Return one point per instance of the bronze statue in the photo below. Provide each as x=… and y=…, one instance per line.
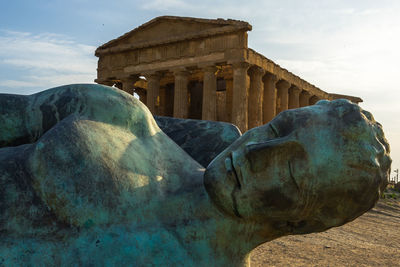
x=88, y=178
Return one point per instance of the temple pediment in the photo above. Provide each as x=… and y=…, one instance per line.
x=166, y=29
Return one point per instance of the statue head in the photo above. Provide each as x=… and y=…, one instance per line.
x=307, y=170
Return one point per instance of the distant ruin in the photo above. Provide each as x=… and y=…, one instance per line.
x=203, y=69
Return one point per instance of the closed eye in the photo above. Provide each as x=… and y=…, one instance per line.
x=257, y=153
x=274, y=130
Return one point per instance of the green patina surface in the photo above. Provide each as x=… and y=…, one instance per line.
x=88, y=178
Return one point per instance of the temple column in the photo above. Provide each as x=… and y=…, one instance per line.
x=153, y=92
x=240, y=95
x=294, y=97
x=128, y=84
x=181, y=94
x=229, y=95
x=118, y=84
x=269, y=102
x=167, y=99
x=283, y=94
x=209, y=107
x=142, y=95
x=304, y=98
x=314, y=99
x=162, y=96
x=256, y=93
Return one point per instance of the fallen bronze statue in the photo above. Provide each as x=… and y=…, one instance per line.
x=87, y=178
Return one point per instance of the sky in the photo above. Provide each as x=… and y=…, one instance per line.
x=341, y=46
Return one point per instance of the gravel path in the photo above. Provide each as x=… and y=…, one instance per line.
x=371, y=240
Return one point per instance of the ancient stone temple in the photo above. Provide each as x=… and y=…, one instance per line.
x=203, y=69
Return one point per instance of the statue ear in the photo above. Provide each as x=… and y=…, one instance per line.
x=284, y=149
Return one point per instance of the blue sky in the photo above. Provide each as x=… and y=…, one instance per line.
x=349, y=47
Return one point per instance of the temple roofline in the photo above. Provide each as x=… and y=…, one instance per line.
x=229, y=25
x=354, y=99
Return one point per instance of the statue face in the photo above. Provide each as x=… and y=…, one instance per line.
x=307, y=170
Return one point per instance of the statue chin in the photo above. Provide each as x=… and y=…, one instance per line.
x=219, y=185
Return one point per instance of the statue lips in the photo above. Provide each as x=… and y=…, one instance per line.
x=231, y=170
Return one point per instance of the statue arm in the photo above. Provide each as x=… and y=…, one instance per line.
x=202, y=140
x=13, y=131
x=24, y=119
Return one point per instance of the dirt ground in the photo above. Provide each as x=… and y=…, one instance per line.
x=371, y=240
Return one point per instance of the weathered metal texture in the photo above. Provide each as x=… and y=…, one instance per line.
x=307, y=170
x=202, y=140
x=87, y=178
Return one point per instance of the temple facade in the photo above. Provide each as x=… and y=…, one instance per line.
x=203, y=69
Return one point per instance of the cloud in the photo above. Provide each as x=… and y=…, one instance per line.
x=14, y=83
x=33, y=62
x=164, y=5
x=357, y=55
x=43, y=82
